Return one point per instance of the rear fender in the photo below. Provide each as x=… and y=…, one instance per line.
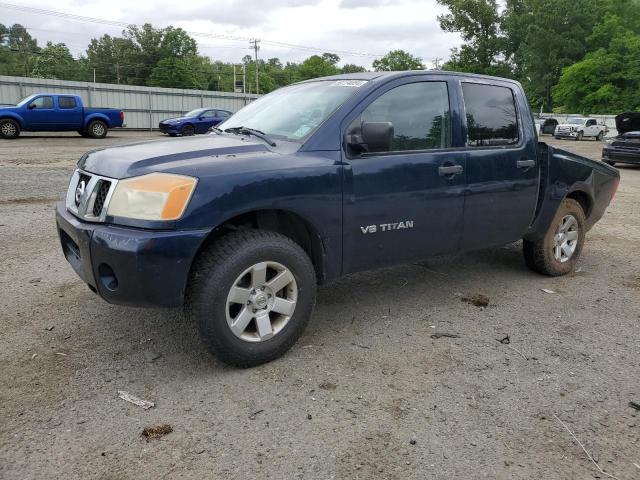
x=570, y=175
x=97, y=116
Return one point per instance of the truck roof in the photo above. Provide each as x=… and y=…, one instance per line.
x=389, y=75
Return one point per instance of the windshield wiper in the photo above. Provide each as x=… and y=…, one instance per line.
x=251, y=131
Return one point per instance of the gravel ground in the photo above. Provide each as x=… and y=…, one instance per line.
x=367, y=392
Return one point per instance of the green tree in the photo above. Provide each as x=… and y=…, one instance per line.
x=55, y=61
x=114, y=59
x=545, y=36
x=23, y=47
x=608, y=79
x=352, y=68
x=397, y=60
x=478, y=23
x=318, y=66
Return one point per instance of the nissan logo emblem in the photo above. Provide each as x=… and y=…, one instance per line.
x=80, y=191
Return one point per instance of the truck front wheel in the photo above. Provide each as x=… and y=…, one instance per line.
x=559, y=250
x=9, y=129
x=251, y=293
x=97, y=129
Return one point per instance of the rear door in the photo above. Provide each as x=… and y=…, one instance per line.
x=502, y=168
x=69, y=115
x=405, y=203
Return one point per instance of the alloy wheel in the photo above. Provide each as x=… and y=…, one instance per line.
x=565, y=240
x=261, y=301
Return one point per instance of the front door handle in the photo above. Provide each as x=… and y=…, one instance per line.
x=450, y=170
x=526, y=163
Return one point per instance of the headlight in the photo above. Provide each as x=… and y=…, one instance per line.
x=157, y=196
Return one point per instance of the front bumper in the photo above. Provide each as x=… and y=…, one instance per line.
x=169, y=128
x=621, y=156
x=129, y=266
x=565, y=134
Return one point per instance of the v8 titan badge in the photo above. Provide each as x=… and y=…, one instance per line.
x=387, y=227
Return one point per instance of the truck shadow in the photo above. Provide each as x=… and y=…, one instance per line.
x=363, y=297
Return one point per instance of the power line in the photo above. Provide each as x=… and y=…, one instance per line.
x=114, y=23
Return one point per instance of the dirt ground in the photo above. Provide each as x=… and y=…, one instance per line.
x=370, y=390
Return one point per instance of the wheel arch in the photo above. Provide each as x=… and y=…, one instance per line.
x=584, y=199
x=286, y=222
x=96, y=116
x=14, y=117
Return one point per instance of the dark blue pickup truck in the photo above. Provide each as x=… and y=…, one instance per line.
x=317, y=180
x=49, y=112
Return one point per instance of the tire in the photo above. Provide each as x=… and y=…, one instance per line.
x=188, y=130
x=9, y=129
x=600, y=136
x=579, y=136
x=97, y=129
x=229, y=263
x=541, y=255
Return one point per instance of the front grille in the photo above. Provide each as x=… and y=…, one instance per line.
x=88, y=195
x=101, y=196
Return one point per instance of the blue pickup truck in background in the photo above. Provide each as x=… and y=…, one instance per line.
x=48, y=112
x=321, y=179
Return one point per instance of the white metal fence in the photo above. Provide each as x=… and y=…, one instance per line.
x=144, y=107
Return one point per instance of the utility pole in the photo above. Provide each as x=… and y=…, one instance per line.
x=436, y=63
x=254, y=43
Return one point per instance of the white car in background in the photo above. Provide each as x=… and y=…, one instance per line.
x=579, y=128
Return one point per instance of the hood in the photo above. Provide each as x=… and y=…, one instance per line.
x=164, y=155
x=628, y=122
x=176, y=119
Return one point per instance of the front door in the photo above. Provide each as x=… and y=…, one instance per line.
x=206, y=120
x=502, y=166
x=40, y=113
x=405, y=203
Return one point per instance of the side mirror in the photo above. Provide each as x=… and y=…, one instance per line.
x=31, y=106
x=371, y=137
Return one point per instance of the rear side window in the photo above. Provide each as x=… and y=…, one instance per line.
x=42, y=102
x=419, y=113
x=223, y=114
x=491, y=115
x=66, y=102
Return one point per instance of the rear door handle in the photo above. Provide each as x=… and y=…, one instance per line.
x=450, y=170
x=526, y=163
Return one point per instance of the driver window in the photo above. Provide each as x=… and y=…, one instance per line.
x=209, y=114
x=42, y=103
x=419, y=113
x=591, y=123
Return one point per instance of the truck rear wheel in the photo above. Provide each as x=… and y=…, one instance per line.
x=251, y=293
x=559, y=250
x=9, y=129
x=97, y=129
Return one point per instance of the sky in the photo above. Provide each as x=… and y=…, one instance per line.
x=357, y=30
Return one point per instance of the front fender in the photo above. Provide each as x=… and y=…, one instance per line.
x=13, y=116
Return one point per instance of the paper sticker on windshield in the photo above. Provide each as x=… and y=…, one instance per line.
x=302, y=131
x=349, y=83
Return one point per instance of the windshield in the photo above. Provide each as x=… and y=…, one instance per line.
x=195, y=113
x=25, y=100
x=575, y=121
x=294, y=112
